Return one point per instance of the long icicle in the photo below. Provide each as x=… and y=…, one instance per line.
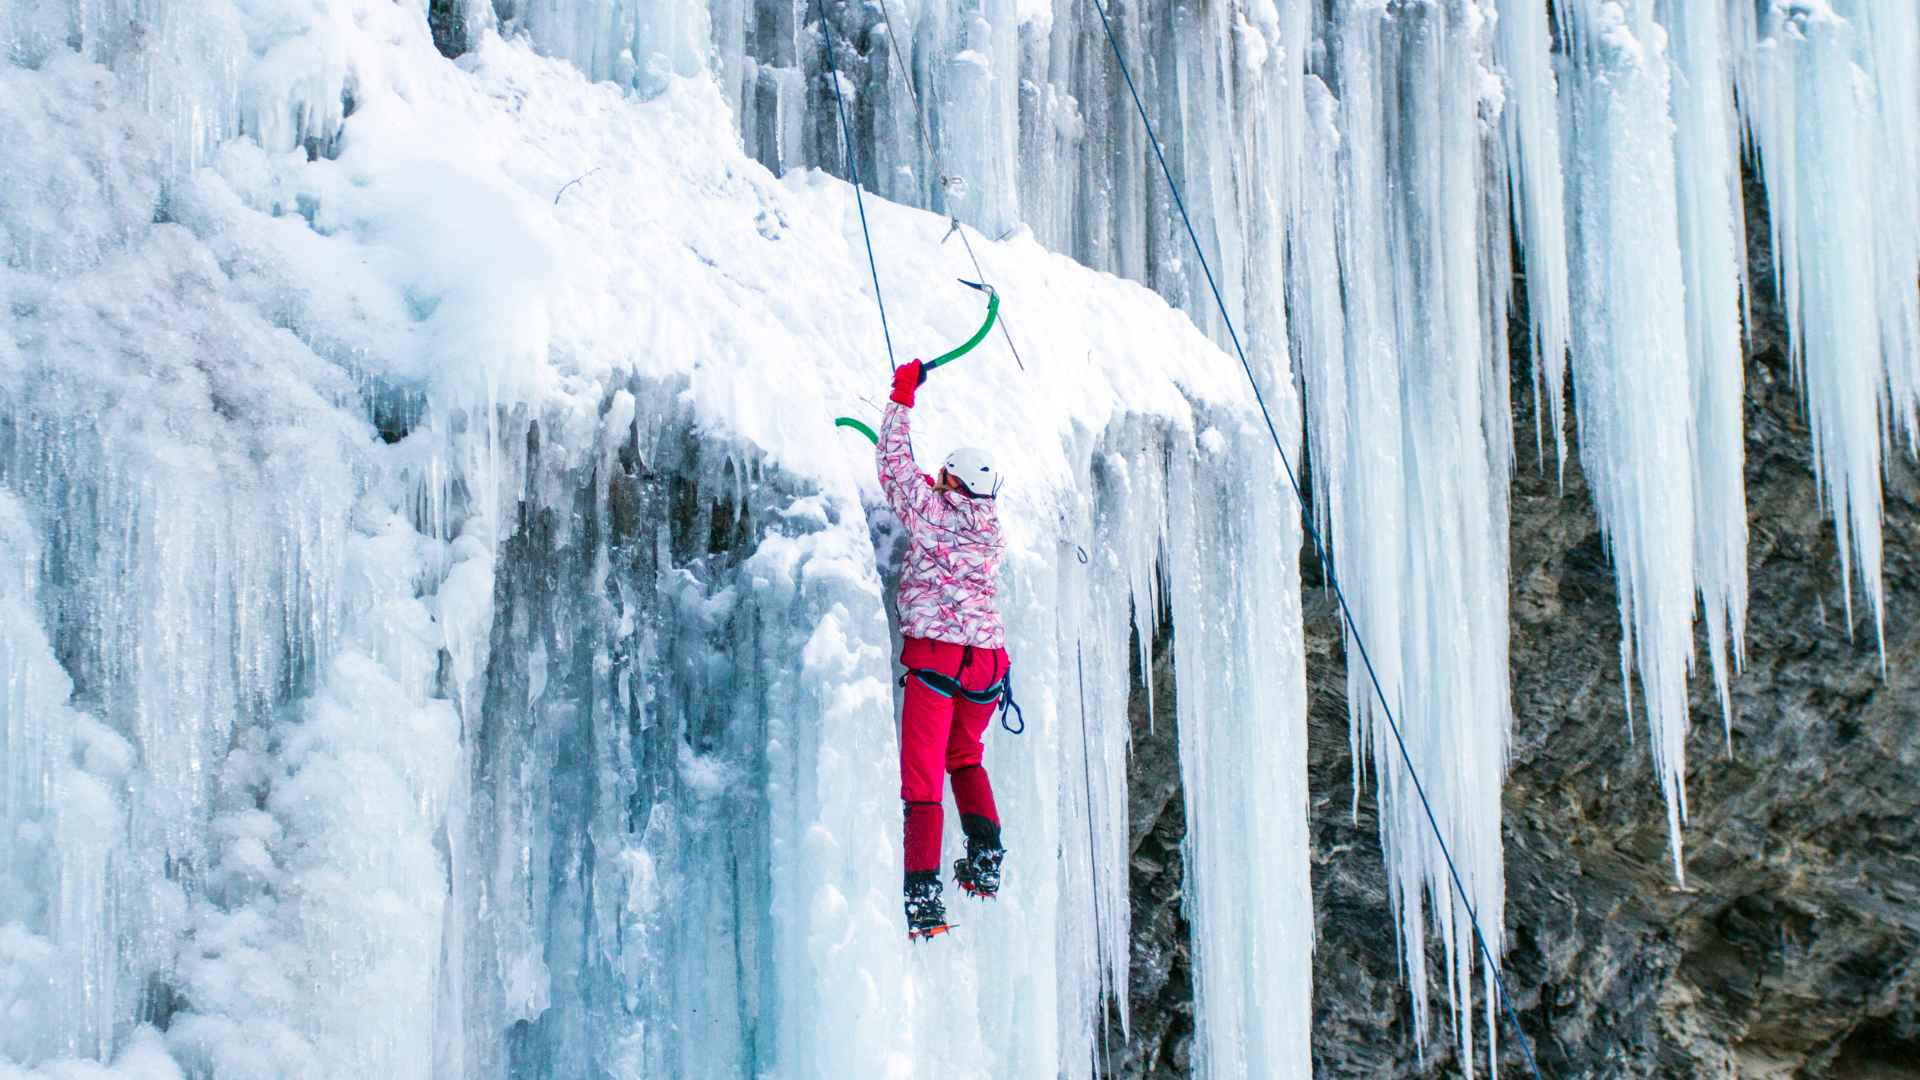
x=1320, y=548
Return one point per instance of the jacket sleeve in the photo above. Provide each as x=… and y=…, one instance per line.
x=906, y=489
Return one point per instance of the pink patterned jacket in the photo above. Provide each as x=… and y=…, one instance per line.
x=954, y=548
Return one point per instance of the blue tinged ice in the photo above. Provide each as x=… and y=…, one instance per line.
x=1530, y=129
x=1712, y=233
x=63, y=780
x=1400, y=316
x=457, y=627
x=1631, y=383
x=504, y=653
x=1831, y=98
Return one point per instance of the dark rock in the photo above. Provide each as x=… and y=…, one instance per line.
x=1159, y=965
x=1793, y=950
x=447, y=19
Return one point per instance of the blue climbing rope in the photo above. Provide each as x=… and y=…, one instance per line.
x=1320, y=548
x=853, y=168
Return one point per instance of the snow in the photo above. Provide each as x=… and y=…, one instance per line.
x=429, y=574
x=476, y=639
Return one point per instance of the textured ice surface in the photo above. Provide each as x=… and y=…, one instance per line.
x=1831, y=95
x=447, y=635
x=1631, y=385
x=430, y=573
x=1403, y=344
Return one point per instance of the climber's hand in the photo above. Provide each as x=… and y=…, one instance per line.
x=907, y=379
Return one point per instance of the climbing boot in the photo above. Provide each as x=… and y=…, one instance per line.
x=926, y=915
x=979, y=872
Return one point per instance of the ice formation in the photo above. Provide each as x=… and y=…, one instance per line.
x=447, y=632
x=1830, y=95
x=1410, y=432
x=444, y=635
x=1630, y=377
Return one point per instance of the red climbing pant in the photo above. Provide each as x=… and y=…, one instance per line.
x=940, y=734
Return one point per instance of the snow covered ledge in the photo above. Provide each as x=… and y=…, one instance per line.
x=558, y=740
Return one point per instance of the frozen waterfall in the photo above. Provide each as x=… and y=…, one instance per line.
x=447, y=632
x=445, y=636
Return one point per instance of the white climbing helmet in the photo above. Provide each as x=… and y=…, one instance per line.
x=974, y=469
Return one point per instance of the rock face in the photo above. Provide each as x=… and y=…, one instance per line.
x=1793, y=951
x=1159, y=1042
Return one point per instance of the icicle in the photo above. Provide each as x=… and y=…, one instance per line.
x=1832, y=99
x=1242, y=716
x=1712, y=227
x=1631, y=384
x=1407, y=405
x=62, y=827
x=1531, y=134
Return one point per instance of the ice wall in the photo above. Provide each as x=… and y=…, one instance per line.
x=447, y=635
x=426, y=434
x=1830, y=94
x=1411, y=451
x=1604, y=148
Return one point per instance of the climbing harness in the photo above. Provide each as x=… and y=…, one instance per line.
x=1320, y=549
x=948, y=687
x=948, y=357
x=853, y=167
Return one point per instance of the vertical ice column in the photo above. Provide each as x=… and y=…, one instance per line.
x=191, y=578
x=61, y=824
x=1398, y=293
x=1112, y=209
x=980, y=134
x=1024, y=105
x=182, y=63
x=1892, y=38
x=615, y=890
x=1832, y=100
x=847, y=1000
x=1530, y=128
x=1233, y=582
x=318, y=944
x=1712, y=232
x=1228, y=115
x=1631, y=383
x=638, y=46
x=938, y=118
x=1122, y=521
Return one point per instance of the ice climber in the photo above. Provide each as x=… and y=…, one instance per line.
x=955, y=653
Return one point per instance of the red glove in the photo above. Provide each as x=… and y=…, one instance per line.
x=907, y=379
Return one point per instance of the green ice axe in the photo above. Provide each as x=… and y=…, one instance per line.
x=850, y=422
x=965, y=347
